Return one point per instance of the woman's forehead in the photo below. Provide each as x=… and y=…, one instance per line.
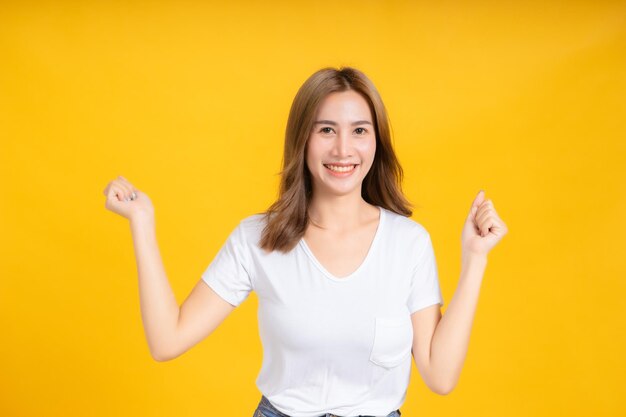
x=345, y=106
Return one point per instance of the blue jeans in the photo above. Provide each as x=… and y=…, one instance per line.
x=266, y=409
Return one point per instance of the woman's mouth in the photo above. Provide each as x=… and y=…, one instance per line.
x=340, y=170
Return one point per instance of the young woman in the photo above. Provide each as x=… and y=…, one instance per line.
x=347, y=283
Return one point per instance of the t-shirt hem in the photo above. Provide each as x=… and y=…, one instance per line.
x=425, y=304
x=340, y=413
x=351, y=412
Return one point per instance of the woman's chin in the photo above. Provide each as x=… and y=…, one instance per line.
x=333, y=189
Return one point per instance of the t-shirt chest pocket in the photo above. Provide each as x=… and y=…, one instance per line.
x=393, y=340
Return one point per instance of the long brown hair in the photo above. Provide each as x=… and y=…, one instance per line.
x=287, y=218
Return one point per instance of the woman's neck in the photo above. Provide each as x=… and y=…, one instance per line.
x=340, y=213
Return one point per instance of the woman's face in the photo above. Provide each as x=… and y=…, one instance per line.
x=342, y=144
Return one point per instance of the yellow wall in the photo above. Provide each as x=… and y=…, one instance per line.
x=189, y=100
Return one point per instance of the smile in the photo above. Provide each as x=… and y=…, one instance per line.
x=341, y=170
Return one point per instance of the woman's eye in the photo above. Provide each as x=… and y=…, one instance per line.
x=323, y=130
x=361, y=129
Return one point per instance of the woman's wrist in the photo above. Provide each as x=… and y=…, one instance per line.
x=472, y=259
x=141, y=221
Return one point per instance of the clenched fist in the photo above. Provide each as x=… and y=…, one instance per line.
x=127, y=201
x=483, y=227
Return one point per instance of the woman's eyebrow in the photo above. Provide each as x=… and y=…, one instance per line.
x=330, y=122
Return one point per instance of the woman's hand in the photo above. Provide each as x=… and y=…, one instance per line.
x=127, y=201
x=483, y=228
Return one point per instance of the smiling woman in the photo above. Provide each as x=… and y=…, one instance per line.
x=338, y=146
x=347, y=283
x=337, y=120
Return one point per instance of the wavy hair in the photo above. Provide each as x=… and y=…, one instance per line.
x=287, y=218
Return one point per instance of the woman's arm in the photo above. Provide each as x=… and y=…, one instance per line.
x=440, y=344
x=170, y=330
x=159, y=308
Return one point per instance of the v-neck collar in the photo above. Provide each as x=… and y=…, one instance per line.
x=321, y=267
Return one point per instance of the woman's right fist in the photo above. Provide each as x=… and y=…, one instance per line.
x=127, y=201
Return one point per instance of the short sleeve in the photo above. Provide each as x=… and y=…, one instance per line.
x=425, y=290
x=228, y=274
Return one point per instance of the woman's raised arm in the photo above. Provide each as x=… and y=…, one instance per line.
x=170, y=330
x=440, y=344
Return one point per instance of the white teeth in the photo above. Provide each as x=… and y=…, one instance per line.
x=340, y=169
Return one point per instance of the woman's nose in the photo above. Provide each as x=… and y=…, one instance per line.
x=342, y=144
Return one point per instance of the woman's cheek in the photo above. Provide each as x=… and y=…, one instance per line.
x=368, y=149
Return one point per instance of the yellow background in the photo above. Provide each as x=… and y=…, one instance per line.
x=189, y=101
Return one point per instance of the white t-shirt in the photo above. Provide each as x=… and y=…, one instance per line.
x=332, y=345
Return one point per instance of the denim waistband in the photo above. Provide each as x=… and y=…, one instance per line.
x=266, y=409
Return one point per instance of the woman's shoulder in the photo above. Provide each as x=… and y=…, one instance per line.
x=251, y=227
x=407, y=226
x=253, y=220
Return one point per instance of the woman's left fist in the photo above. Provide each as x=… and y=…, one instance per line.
x=483, y=228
